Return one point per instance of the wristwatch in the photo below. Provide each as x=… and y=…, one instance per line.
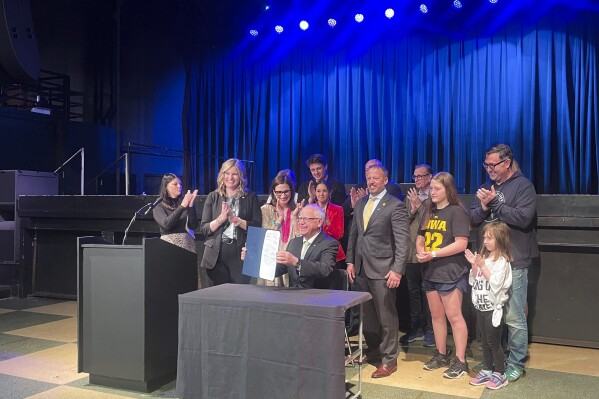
x=434, y=254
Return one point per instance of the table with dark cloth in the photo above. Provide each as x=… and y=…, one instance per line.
x=255, y=342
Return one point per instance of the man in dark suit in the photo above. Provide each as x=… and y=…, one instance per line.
x=311, y=256
x=318, y=165
x=378, y=248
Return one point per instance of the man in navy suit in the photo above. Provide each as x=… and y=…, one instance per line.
x=312, y=255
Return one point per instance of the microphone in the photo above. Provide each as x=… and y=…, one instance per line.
x=136, y=214
x=152, y=205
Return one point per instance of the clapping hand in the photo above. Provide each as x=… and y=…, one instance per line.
x=474, y=258
x=192, y=198
x=225, y=212
x=485, y=196
x=470, y=257
x=281, y=212
x=311, y=191
x=356, y=194
x=298, y=208
x=415, y=201
x=187, y=199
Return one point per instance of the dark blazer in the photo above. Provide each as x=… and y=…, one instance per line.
x=318, y=262
x=249, y=210
x=385, y=244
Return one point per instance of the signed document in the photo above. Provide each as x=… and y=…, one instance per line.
x=261, y=253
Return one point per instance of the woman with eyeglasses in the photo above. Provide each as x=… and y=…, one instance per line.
x=279, y=214
x=176, y=214
x=228, y=212
x=333, y=224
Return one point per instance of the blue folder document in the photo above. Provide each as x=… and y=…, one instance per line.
x=261, y=253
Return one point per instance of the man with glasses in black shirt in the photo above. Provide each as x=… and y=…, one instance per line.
x=511, y=198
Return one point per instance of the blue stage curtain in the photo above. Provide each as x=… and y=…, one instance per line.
x=408, y=101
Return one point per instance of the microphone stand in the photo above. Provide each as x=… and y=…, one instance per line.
x=133, y=220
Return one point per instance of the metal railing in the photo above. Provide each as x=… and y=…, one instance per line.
x=52, y=93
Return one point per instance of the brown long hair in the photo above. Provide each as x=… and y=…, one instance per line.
x=447, y=180
x=501, y=232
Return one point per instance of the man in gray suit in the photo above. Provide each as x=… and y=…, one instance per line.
x=312, y=255
x=378, y=248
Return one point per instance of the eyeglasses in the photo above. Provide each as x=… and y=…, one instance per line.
x=491, y=166
x=418, y=177
x=301, y=219
x=281, y=193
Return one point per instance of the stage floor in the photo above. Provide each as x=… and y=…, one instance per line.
x=38, y=359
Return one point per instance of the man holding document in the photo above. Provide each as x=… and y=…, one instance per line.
x=310, y=256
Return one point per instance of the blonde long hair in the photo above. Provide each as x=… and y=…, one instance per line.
x=243, y=181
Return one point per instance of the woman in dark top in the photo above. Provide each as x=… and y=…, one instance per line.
x=176, y=216
x=228, y=212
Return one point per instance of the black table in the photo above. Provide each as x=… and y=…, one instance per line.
x=244, y=341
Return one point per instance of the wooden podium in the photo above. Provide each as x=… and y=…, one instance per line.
x=128, y=310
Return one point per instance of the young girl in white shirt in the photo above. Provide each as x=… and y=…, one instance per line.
x=491, y=278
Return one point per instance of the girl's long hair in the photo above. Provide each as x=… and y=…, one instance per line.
x=501, y=232
x=446, y=179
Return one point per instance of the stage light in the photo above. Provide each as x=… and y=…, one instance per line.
x=304, y=25
x=359, y=18
x=267, y=8
x=332, y=22
x=423, y=8
x=492, y=1
x=254, y=32
x=389, y=13
x=457, y=4
x=279, y=29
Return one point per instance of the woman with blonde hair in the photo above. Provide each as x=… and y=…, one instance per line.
x=442, y=239
x=228, y=212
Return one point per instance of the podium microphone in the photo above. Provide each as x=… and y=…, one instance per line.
x=152, y=205
x=136, y=214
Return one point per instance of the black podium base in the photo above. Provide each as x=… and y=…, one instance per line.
x=132, y=385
